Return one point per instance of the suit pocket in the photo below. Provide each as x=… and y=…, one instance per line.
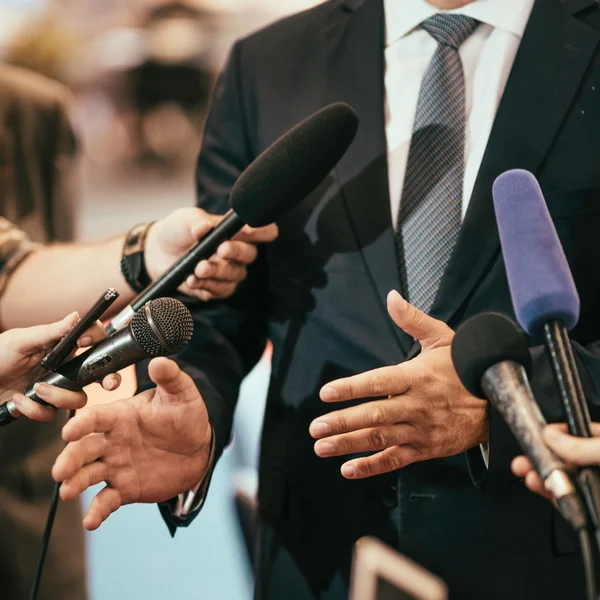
x=573, y=203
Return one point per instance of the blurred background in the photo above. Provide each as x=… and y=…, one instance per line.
x=142, y=72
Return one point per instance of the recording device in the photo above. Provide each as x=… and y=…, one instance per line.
x=381, y=573
x=160, y=328
x=278, y=179
x=545, y=298
x=493, y=362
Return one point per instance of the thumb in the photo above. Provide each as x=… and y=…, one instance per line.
x=33, y=339
x=201, y=223
x=173, y=385
x=430, y=332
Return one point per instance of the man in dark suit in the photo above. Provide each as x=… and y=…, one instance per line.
x=525, y=96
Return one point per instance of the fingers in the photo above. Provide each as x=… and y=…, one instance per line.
x=59, y=397
x=387, y=461
x=56, y=397
x=33, y=410
x=78, y=454
x=366, y=440
x=387, y=381
x=93, y=335
x=102, y=506
x=95, y=419
x=83, y=479
x=575, y=450
x=220, y=270
x=521, y=466
x=259, y=235
x=33, y=339
x=171, y=381
x=111, y=382
x=427, y=330
x=378, y=413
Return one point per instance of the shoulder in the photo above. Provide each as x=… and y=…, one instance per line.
x=287, y=34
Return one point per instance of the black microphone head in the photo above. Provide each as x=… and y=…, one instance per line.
x=162, y=326
x=486, y=340
x=294, y=165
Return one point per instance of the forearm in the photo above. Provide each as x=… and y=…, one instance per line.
x=58, y=279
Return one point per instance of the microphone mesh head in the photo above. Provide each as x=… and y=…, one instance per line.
x=162, y=326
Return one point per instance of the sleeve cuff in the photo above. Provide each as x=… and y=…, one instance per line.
x=184, y=507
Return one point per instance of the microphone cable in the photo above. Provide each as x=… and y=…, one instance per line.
x=37, y=579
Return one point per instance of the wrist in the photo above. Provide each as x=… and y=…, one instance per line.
x=152, y=252
x=133, y=263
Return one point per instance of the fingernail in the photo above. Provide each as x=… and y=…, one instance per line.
x=42, y=389
x=85, y=341
x=348, y=471
x=111, y=384
x=329, y=393
x=320, y=428
x=223, y=250
x=324, y=448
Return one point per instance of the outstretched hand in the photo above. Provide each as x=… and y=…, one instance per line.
x=425, y=412
x=146, y=449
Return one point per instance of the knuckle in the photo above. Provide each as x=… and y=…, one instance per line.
x=377, y=415
x=392, y=462
x=378, y=385
x=377, y=440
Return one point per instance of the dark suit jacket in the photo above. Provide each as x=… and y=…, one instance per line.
x=319, y=293
x=37, y=152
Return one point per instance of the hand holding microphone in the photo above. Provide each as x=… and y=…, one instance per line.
x=281, y=177
x=545, y=299
x=21, y=351
x=160, y=328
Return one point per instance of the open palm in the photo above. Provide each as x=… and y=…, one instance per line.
x=147, y=449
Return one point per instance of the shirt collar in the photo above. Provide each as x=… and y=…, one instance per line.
x=402, y=16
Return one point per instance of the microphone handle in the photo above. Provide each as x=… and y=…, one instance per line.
x=507, y=387
x=170, y=280
x=566, y=376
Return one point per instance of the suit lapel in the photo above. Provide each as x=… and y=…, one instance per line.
x=553, y=57
x=354, y=62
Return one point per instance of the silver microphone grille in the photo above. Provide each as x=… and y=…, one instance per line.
x=162, y=326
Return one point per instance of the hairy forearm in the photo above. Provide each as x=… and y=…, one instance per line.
x=58, y=279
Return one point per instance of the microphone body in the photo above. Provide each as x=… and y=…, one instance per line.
x=162, y=327
x=278, y=179
x=506, y=386
x=545, y=299
x=492, y=360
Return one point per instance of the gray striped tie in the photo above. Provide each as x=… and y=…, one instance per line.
x=430, y=212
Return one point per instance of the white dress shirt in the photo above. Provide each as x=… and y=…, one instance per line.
x=487, y=57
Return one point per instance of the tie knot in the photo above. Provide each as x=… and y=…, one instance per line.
x=450, y=29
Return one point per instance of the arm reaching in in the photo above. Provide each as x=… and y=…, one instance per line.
x=147, y=449
x=84, y=270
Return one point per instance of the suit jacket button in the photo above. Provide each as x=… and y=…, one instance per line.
x=389, y=496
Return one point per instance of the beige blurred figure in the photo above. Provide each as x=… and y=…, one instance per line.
x=37, y=192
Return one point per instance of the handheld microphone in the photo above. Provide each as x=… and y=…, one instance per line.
x=493, y=362
x=278, y=179
x=161, y=328
x=545, y=298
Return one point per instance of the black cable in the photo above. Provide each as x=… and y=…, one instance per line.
x=47, y=533
x=587, y=556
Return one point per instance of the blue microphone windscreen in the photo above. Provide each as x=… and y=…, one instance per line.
x=541, y=283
